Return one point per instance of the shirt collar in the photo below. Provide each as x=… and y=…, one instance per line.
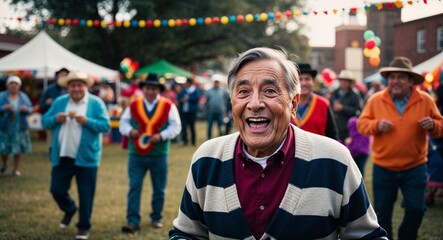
x=154, y=102
x=282, y=152
x=405, y=98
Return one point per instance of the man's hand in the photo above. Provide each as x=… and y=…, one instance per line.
x=8, y=107
x=23, y=108
x=134, y=133
x=384, y=125
x=61, y=117
x=426, y=123
x=81, y=119
x=156, y=138
x=338, y=107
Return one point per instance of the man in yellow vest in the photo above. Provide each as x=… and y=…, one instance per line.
x=150, y=122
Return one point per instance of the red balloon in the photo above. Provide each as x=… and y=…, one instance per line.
x=185, y=22
x=240, y=18
x=215, y=20
x=75, y=22
x=96, y=23
x=370, y=44
x=149, y=23
x=328, y=76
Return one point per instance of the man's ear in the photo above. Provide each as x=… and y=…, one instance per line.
x=295, y=101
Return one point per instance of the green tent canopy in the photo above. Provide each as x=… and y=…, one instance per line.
x=164, y=68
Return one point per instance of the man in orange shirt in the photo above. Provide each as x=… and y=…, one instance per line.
x=400, y=117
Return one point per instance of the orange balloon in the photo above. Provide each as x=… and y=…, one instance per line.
x=374, y=60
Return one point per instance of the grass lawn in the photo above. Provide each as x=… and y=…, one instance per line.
x=27, y=210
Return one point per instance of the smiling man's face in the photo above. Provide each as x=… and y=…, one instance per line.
x=261, y=106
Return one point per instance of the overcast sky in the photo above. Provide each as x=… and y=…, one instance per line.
x=320, y=28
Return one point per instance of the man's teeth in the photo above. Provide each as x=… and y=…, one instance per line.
x=257, y=119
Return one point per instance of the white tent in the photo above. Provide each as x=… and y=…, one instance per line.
x=426, y=66
x=45, y=56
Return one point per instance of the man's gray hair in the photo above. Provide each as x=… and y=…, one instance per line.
x=291, y=76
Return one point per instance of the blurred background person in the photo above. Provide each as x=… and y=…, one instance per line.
x=214, y=108
x=52, y=92
x=345, y=103
x=188, y=99
x=15, y=107
x=106, y=93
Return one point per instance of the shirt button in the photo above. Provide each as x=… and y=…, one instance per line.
x=262, y=207
x=262, y=175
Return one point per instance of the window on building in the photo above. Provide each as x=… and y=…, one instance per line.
x=421, y=41
x=440, y=38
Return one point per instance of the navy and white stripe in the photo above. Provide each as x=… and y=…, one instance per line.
x=325, y=197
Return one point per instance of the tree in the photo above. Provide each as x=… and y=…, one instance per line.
x=184, y=46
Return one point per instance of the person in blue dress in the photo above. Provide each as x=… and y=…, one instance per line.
x=15, y=106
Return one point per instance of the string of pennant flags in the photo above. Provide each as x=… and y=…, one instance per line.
x=196, y=21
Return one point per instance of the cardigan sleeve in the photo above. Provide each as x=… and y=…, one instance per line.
x=98, y=119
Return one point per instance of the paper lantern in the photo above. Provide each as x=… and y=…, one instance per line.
x=157, y=23
x=68, y=22
x=75, y=22
x=118, y=24
x=103, y=24
x=368, y=34
x=263, y=17
x=208, y=21
x=89, y=23
x=200, y=21
x=149, y=23
x=171, y=23
x=164, y=22
x=249, y=18
x=126, y=24
x=278, y=15
x=215, y=20
x=96, y=23
x=185, y=22
x=142, y=23
x=271, y=15
x=232, y=18
x=178, y=22
x=192, y=22
x=297, y=13
x=224, y=20
x=240, y=18
x=61, y=22
x=288, y=14
x=82, y=22
x=374, y=60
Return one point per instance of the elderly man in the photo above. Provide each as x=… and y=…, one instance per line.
x=400, y=117
x=272, y=180
x=150, y=122
x=78, y=120
x=214, y=105
x=313, y=112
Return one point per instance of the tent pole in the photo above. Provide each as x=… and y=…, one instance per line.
x=45, y=79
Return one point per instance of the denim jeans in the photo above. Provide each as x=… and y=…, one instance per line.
x=412, y=184
x=86, y=178
x=218, y=117
x=138, y=166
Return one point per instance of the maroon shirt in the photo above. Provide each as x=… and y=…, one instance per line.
x=261, y=190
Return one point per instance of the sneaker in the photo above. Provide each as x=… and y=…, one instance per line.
x=82, y=234
x=64, y=223
x=16, y=173
x=157, y=224
x=3, y=170
x=130, y=228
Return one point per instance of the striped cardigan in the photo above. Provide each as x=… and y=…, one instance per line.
x=325, y=198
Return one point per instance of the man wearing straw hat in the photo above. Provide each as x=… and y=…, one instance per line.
x=78, y=120
x=400, y=118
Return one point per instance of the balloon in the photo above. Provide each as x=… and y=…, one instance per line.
x=374, y=60
x=68, y=22
x=89, y=23
x=185, y=22
x=368, y=34
x=215, y=20
x=271, y=15
x=200, y=21
x=232, y=18
x=278, y=15
x=288, y=14
x=82, y=22
x=178, y=22
x=75, y=22
x=328, y=76
x=103, y=24
x=297, y=13
x=118, y=24
x=96, y=23
x=61, y=22
x=142, y=23
x=377, y=41
x=164, y=22
x=367, y=52
x=370, y=43
x=126, y=24
x=375, y=51
x=224, y=20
